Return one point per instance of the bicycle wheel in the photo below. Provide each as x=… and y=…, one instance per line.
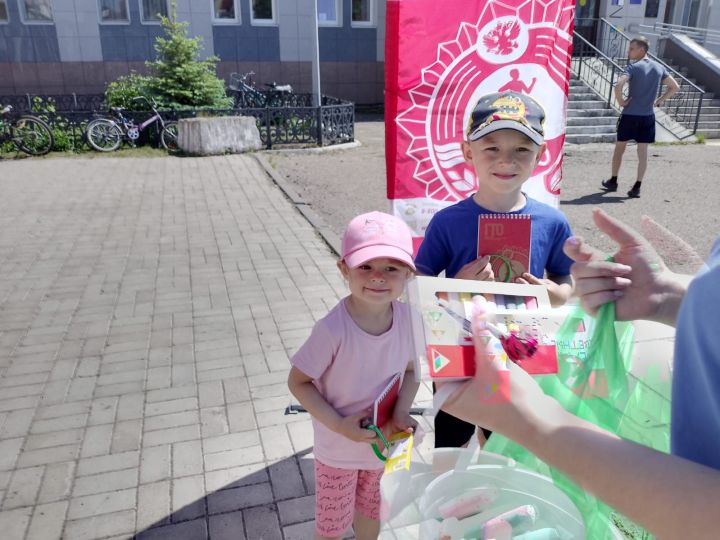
x=169, y=136
x=32, y=135
x=104, y=135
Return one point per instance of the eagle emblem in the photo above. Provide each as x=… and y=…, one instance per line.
x=502, y=39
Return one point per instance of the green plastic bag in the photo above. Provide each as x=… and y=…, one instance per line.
x=594, y=383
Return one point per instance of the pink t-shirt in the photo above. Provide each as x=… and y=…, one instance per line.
x=351, y=368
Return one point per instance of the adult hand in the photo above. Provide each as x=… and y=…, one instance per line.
x=352, y=428
x=659, y=101
x=637, y=281
x=501, y=396
x=478, y=270
x=624, y=102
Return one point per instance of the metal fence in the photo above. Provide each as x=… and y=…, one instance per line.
x=302, y=124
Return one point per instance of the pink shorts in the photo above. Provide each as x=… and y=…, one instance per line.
x=339, y=493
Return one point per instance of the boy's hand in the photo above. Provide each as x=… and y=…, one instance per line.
x=557, y=293
x=478, y=270
x=352, y=428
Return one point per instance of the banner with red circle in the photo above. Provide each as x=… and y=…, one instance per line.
x=440, y=58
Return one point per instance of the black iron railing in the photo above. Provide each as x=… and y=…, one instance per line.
x=685, y=106
x=593, y=67
x=300, y=124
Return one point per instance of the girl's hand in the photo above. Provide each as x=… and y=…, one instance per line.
x=478, y=270
x=352, y=428
x=401, y=422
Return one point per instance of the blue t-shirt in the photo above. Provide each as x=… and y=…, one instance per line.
x=645, y=76
x=695, y=425
x=451, y=239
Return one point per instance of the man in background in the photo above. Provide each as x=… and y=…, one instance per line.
x=637, y=120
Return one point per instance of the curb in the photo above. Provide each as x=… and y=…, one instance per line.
x=315, y=149
x=327, y=234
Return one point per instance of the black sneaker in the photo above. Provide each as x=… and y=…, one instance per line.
x=634, y=193
x=609, y=185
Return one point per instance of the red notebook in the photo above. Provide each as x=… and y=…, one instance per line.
x=506, y=238
x=385, y=402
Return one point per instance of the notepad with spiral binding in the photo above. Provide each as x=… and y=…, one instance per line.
x=385, y=402
x=506, y=238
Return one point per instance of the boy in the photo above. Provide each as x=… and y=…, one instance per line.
x=504, y=142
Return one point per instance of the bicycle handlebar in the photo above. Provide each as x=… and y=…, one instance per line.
x=150, y=102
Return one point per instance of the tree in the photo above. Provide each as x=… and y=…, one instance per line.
x=179, y=80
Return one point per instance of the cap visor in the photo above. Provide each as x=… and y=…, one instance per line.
x=497, y=125
x=363, y=255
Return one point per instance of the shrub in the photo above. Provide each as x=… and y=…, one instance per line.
x=120, y=93
x=64, y=136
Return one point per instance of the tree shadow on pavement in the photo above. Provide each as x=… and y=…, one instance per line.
x=595, y=199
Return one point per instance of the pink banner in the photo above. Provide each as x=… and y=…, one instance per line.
x=441, y=56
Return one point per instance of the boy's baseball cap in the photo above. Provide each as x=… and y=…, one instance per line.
x=507, y=110
x=375, y=235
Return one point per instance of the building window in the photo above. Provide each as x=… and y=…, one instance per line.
x=114, y=11
x=225, y=11
x=151, y=10
x=362, y=12
x=4, y=17
x=328, y=13
x=36, y=11
x=262, y=11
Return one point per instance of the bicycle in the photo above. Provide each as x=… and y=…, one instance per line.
x=107, y=134
x=247, y=96
x=28, y=133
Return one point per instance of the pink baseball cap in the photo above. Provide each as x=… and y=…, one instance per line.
x=375, y=235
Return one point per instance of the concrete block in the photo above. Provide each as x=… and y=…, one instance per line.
x=220, y=135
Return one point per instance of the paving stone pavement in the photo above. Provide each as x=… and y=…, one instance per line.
x=148, y=307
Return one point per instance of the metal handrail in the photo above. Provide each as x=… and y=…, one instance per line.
x=676, y=74
x=692, y=31
x=685, y=106
x=597, y=74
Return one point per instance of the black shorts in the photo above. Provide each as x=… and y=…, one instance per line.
x=636, y=128
x=451, y=432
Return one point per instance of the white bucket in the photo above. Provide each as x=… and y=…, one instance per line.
x=415, y=503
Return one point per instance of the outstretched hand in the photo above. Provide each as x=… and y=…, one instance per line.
x=637, y=281
x=501, y=396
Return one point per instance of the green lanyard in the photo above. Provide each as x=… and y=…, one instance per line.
x=378, y=453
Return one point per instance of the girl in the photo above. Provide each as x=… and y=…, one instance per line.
x=344, y=366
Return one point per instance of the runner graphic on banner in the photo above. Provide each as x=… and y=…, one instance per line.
x=440, y=58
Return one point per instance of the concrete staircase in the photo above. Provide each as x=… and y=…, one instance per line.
x=709, y=123
x=589, y=119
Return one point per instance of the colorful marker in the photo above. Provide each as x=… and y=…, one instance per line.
x=468, y=503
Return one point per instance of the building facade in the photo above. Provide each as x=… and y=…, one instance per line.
x=637, y=17
x=66, y=46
